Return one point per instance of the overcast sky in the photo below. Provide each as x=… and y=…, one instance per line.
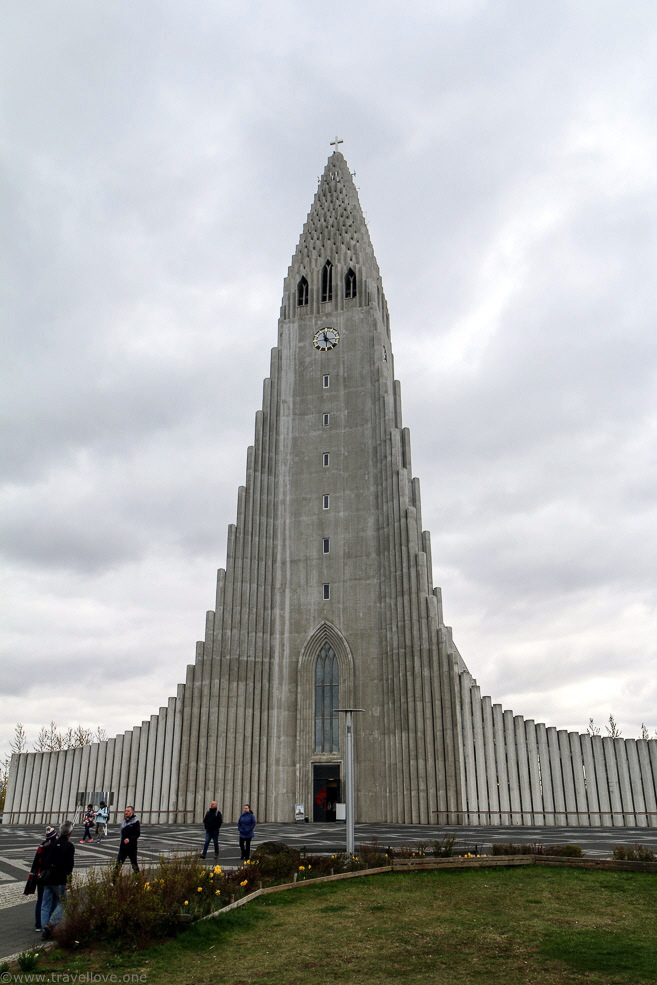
x=160, y=159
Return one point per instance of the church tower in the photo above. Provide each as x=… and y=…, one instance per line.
x=327, y=597
x=327, y=602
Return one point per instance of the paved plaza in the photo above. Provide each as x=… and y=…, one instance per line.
x=18, y=844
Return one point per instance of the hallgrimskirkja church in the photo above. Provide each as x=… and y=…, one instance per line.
x=327, y=601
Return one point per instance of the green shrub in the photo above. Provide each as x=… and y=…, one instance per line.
x=444, y=848
x=27, y=960
x=633, y=853
x=372, y=855
x=504, y=848
x=561, y=851
x=273, y=866
x=135, y=908
x=564, y=851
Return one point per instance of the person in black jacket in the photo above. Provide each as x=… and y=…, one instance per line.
x=33, y=881
x=128, y=835
x=212, y=822
x=56, y=866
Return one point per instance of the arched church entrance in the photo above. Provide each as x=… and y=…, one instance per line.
x=326, y=791
x=326, y=679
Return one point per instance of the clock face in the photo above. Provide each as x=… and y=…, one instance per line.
x=326, y=338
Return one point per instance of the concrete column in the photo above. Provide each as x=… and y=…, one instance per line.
x=149, y=807
x=512, y=766
x=523, y=769
x=500, y=765
x=647, y=779
x=166, y=805
x=115, y=782
x=23, y=781
x=538, y=817
x=99, y=776
x=91, y=767
x=557, y=777
x=489, y=753
x=483, y=806
x=159, y=731
x=108, y=770
x=591, y=783
x=624, y=784
x=29, y=787
x=617, y=818
x=125, y=794
x=635, y=783
x=204, y=715
x=567, y=774
x=141, y=778
x=63, y=784
x=602, y=781
x=15, y=769
x=577, y=761
x=174, y=799
x=38, y=787
x=468, y=751
x=78, y=786
x=547, y=793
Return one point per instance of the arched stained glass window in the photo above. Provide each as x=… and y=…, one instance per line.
x=327, y=281
x=326, y=700
x=302, y=293
x=350, y=284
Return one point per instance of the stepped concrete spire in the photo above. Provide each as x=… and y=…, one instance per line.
x=335, y=229
x=327, y=601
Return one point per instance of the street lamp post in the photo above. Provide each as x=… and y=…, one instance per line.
x=349, y=774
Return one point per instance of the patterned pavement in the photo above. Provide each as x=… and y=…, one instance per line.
x=18, y=844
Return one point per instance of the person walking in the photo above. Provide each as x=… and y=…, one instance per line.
x=56, y=867
x=128, y=835
x=102, y=817
x=33, y=883
x=246, y=827
x=88, y=820
x=212, y=822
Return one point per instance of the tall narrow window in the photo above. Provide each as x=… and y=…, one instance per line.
x=326, y=700
x=327, y=281
x=350, y=284
x=325, y=382
x=326, y=592
x=325, y=420
x=326, y=545
x=302, y=293
x=325, y=501
x=326, y=458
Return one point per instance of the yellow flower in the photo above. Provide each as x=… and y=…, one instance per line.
x=186, y=903
x=217, y=870
x=217, y=892
x=245, y=883
x=302, y=868
x=147, y=885
x=200, y=889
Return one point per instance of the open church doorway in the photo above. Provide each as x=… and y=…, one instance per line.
x=326, y=790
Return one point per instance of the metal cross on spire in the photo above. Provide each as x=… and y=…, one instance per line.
x=334, y=143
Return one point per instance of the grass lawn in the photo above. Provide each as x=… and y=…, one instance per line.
x=529, y=925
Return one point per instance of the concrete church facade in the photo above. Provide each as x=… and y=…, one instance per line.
x=327, y=601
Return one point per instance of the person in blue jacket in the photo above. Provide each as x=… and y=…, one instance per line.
x=246, y=827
